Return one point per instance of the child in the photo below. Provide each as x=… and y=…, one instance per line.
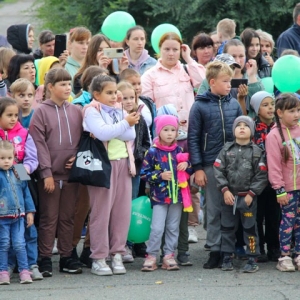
x=241, y=175
x=282, y=146
x=210, y=127
x=23, y=92
x=268, y=210
x=16, y=202
x=225, y=32
x=110, y=208
x=160, y=170
x=56, y=129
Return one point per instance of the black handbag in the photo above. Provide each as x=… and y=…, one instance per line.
x=91, y=165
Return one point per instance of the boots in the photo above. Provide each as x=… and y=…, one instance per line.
x=213, y=261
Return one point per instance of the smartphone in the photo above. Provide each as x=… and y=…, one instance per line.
x=113, y=52
x=60, y=44
x=139, y=110
x=21, y=172
x=235, y=83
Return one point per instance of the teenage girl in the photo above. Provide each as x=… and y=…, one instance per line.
x=283, y=153
x=110, y=208
x=56, y=128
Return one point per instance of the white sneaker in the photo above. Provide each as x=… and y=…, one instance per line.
x=285, y=264
x=54, y=249
x=35, y=273
x=117, y=265
x=99, y=267
x=193, y=237
x=127, y=258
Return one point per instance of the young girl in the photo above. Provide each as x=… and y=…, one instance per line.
x=56, y=129
x=16, y=202
x=283, y=152
x=110, y=208
x=160, y=170
x=23, y=92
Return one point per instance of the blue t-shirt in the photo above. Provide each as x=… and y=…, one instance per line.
x=25, y=121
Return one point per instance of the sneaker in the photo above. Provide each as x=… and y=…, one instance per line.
x=100, y=268
x=149, y=264
x=35, y=273
x=251, y=266
x=285, y=264
x=193, y=237
x=70, y=265
x=274, y=254
x=25, y=277
x=183, y=259
x=240, y=253
x=227, y=263
x=117, y=265
x=206, y=247
x=4, y=278
x=297, y=262
x=263, y=257
x=213, y=261
x=127, y=258
x=85, y=257
x=169, y=263
x=45, y=267
x=140, y=250
x=54, y=249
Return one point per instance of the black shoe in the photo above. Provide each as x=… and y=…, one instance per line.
x=213, y=261
x=227, y=263
x=251, y=266
x=140, y=250
x=69, y=265
x=263, y=257
x=274, y=254
x=85, y=257
x=45, y=266
x=183, y=259
x=206, y=247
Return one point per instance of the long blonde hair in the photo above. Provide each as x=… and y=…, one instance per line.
x=124, y=85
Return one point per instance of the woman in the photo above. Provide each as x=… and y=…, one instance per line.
x=95, y=57
x=46, y=41
x=251, y=40
x=138, y=57
x=266, y=45
x=203, y=48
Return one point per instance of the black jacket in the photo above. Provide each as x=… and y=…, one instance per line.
x=17, y=36
x=210, y=127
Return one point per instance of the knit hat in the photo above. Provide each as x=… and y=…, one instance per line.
x=165, y=120
x=246, y=120
x=257, y=99
x=227, y=59
x=167, y=109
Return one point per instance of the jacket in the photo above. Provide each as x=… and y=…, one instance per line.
x=157, y=160
x=84, y=99
x=264, y=68
x=15, y=198
x=281, y=174
x=56, y=131
x=241, y=169
x=289, y=39
x=17, y=36
x=210, y=127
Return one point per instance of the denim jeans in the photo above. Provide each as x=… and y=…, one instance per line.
x=12, y=232
x=31, y=247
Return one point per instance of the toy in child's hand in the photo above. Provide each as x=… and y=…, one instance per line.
x=183, y=177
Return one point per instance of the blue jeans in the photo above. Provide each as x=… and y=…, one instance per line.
x=31, y=247
x=12, y=232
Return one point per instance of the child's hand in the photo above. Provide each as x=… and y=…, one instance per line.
x=29, y=218
x=182, y=166
x=70, y=162
x=49, y=185
x=133, y=118
x=167, y=175
x=200, y=178
x=228, y=198
x=283, y=200
x=248, y=200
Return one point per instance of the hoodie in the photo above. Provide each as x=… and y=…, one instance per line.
x=56, y=130
x=44, y=66
x=84, y=99
x=17, y=36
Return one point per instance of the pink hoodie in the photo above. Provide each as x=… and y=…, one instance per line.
x=283, y=174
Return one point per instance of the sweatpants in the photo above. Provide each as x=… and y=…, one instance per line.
x=214, y=199
x=110, y=212
x=57, y=215
x=229, y=223
x=290, y=222
x=165, y=218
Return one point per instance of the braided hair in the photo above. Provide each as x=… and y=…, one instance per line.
x=283, y=102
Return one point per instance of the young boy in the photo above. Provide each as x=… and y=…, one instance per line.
x=210, y=127
x=23, y=92
x=268, y=209
x=241, y=174
x=226, y=32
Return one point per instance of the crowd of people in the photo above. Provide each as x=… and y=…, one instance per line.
x=175, y=128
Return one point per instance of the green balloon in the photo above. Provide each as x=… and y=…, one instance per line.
x=116, y=25
x=268, y=84
x=159, y=31
x=141, y=216
x=286, y=72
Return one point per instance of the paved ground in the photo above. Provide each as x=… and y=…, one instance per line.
x=187, y=283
